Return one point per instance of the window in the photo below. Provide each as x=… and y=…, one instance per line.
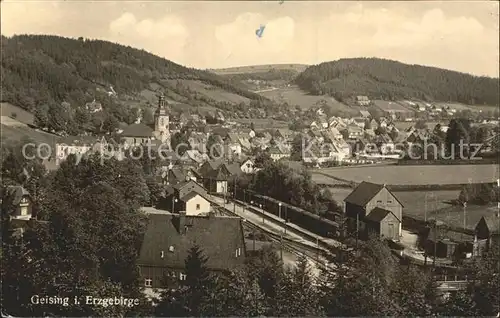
x=182, y=276
x=171, y=248
x=162, y=254
x=390, y=201
x=148, y=282
x=197, y=207
x=379, y=201
x=24, y=210
x=238, y=252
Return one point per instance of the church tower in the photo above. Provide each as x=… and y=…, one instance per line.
x=162, y=118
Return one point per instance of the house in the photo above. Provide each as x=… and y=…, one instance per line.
x=187, y=196
x=362, y=100
x=77, y=145
x=354, y=132
x=373, y=124
x=22, y=201
x=368, y=198
x=278, y=153
x=216, y=174
x=486, y=234
x=247, y=165
x=385, y=144
x=364, y=113
x=178, y=175
x=316, y=134
x=93, y=107
x=169, y=237
x=359, y=121
x=232, y=143
x=335, y=133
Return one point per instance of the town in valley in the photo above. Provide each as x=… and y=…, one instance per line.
x=142, y=180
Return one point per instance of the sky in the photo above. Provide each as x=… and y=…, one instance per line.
x=456, y=35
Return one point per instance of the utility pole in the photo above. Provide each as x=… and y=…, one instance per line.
x=281, y=246
x=253, y=235
x=435, y=244
x=357, y=231
x=465, y=218
x=286, y=218
x=317, y=248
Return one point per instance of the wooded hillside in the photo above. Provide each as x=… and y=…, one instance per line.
x=386, y=79
x=40, y=72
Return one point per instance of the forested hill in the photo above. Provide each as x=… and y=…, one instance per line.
x=386, y=79
x=49, y=70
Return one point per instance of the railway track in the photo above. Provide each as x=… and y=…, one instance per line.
x=297, y=248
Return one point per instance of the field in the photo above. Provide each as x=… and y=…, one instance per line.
x=17, y=133
x=294, y=96
x=258, y=69
x=391, y=106
x=20, y=114
x=417, y=175
x=212, y=91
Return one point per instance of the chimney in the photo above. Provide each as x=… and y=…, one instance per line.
x=182, y=222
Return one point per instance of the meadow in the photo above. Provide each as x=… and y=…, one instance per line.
x=416, y=175
x=258, y=69
x=392, y=106
x=294, y=96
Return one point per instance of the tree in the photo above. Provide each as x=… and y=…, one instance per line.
x=458, y=133
x=263, y=159
x=42, y=115
x=147, y=116
x=214, y=148
x=416, y=292
x=180, y=143
x=296, y=152
x=191, y=298
x=297, y=296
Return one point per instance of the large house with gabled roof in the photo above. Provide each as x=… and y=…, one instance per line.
x=169, y=237
x=372, y=209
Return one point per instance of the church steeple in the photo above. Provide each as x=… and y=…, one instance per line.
x=161, y=116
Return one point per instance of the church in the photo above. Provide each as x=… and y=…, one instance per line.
x=139, y=133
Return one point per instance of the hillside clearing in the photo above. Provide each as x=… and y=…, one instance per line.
x=258, y=68
x=294, y=96
x=211, y=91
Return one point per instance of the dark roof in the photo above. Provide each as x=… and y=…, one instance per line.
x=186, y=187
x=137, y=130
x=363, y=193
x=217, y=236
x=18, y=192
x=377, y=214
x=178, y=174
x=188, y=196
x=493, y=223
